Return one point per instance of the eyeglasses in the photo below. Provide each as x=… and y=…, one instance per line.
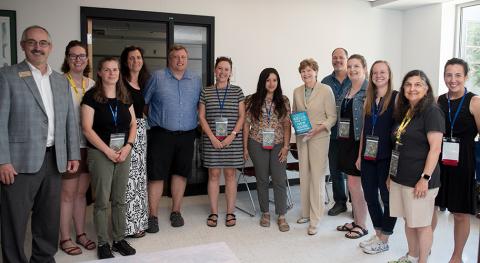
x=33, y=43
x=74, y=57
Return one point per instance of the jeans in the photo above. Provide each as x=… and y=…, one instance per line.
x=338, y=179
x=374, y=177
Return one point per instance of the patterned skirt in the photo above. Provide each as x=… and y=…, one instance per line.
x=136, y=197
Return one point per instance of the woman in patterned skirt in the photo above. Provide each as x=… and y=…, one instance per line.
x=135, y=76
x=221, y=115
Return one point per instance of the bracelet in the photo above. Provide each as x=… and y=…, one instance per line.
x=234, y=133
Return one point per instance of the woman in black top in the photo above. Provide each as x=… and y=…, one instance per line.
x=457, y=171
x=414, y=172
x=374, y=154
x=135, y=75
x=108, y=123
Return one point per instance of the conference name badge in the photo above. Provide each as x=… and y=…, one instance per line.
x=371, y=148
x=344, y=128
x=268, y=138
x=221, y=128
x=450, y=151
x=117, y=140
x=24, y=74
x=392, y=171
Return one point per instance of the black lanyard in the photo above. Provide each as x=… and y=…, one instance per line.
x=222, y=103
x=452, y=122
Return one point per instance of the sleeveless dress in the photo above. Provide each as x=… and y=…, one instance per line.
x=457, y=190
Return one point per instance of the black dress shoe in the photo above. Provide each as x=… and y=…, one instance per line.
x=337, y=209
x=104, y=251
x=123, y=247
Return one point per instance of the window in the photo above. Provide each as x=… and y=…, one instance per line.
x=469, y=41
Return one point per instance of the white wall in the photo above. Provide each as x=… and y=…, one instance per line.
x=256, y=34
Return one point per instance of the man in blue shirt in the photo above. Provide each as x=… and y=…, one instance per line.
x=337, y=81
x=172, y=95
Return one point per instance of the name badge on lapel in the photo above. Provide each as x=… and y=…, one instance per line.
x=117, y=140
x=450, y=151
x=371, y=148
x=268, y=138
x=344, y=128
x=24, y=74
x=221, y=128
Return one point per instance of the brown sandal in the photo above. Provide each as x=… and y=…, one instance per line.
x=72, y=251
x=232, y=221
x=282, y=224
x=212, y=220
x=265, y=220
x=88, y=245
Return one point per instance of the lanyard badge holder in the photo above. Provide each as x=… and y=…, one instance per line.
x=117, y=140
x=268, y=134
x=371, y=141
x=221, y=124
x=344, y=123
x=451, y=145
x=392, y=171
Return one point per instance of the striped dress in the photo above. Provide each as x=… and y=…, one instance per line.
x=232, y=156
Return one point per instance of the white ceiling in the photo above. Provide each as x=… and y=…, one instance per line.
x=403, y=4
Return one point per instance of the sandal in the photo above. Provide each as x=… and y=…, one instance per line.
x=265, y=220
x=282, y=224
x=88, y=244
x=212, y=220
x=232, y=221
x=72, y=251
x=355, y=234
x=345, y=228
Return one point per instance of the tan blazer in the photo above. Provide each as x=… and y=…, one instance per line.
x=320, y=107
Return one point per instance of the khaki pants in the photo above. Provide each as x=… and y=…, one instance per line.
x=313, y=158
x=109, y=182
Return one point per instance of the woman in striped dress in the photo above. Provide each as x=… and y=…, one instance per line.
x=221, y=114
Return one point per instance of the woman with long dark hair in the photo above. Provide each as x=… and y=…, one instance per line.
x=74, y=186
x=108, y=123
x=135, y=76
x=266, y=139
x=414, y=173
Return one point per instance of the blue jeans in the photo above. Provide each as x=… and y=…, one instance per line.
x=374, y=177
x=338, y=179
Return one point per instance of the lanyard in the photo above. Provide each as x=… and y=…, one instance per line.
x=269, y=112
x=114, y=113
x=74, y=86
x=347, y=100
x=403, y=126
x=222, y=103
x=452, y=122
x=375, y=111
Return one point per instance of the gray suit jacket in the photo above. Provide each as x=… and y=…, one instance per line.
x=24, y=122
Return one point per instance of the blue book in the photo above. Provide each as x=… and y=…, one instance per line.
x=300, y=122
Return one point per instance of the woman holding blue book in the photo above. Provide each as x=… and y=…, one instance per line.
x=318, y=102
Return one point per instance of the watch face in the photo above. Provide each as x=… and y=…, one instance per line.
x=426, y=177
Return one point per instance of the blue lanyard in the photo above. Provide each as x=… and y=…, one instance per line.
x=222, y=103
x=375, y=111
x=452, y=122
x=114, y=113
x=269, y=112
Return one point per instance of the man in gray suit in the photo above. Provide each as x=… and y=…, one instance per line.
x=38, y=142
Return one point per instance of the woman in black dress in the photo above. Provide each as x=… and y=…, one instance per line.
x=462, y=123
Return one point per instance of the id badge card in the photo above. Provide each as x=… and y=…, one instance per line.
x=392, y=171
x=268, y=138
x=344, y=128
x=117, y=140
x=450, y=151
x=371, y=148
x=221, y=128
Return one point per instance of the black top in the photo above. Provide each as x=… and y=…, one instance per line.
x=103, y=122
x=415, y=147
x=383, y=129
x=137, y=99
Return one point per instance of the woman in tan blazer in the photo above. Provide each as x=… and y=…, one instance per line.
x=318, y=101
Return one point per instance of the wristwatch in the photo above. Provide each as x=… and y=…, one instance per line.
x=426, y=177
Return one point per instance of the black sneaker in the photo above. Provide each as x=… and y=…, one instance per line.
x=152, y=225
x=104, y=251
x=124, y=248
x=337, y=209
x=176, y=219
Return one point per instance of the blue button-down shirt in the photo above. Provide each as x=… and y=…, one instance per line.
x=173, y=103
x=337, y=89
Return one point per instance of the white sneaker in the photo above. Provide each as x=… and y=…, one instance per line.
x=367, y=242
x=376, y=247
x=405, y=259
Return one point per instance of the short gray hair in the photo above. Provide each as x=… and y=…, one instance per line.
x=24, y=34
